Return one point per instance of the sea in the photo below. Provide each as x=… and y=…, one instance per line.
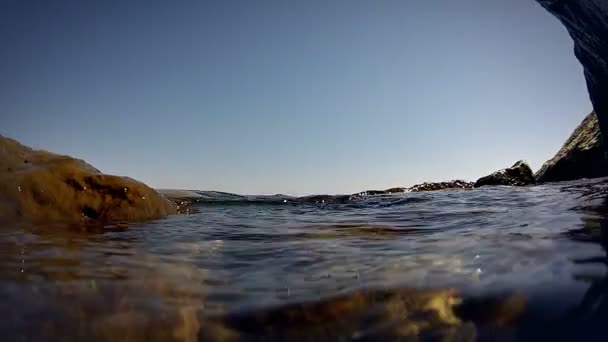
x=489, y=264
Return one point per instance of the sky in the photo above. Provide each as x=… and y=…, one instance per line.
x=292, y=97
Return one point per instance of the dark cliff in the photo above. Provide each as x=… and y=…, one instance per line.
x=587, y=23
x=581, y=156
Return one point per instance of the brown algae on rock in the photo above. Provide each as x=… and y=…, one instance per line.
x=43, y=187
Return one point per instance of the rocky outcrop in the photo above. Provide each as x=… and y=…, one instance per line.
x=43, y=187
x=395, y=190
x=582, y=156
x=519, y=174
x=438, y=186
x=427, y=186
x=587, y=23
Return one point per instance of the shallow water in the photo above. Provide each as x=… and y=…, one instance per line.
x=524, y=263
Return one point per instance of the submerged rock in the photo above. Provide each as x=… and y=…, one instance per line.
x=519, y=174
x=437, y=186
x=375, y=315
x=582, y=156
x=44, y=187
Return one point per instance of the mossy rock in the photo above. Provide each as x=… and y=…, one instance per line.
x=44, y=187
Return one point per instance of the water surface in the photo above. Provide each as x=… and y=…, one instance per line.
x=522, y=262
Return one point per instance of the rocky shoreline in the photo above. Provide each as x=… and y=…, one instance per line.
x=40, y=186
x=44, y=187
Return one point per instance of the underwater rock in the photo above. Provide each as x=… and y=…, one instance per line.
x=519, y=174
x=581, y=156
x=44, y=187
x=368, y=315
x=437, y=186
x=375, y=315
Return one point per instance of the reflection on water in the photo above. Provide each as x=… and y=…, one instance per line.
x=495, y=263
x=587, y=318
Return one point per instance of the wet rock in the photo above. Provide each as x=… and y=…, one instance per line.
x=437, y=186
x=374, y=315
x=44, y=187
x=373, y=192
x=377, y=315
x=582, y=156
x=183, y=206
x=519, y=174
x=364, y=194
x=76, y=306
x=587, y=23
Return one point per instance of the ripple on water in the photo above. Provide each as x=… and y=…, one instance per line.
x=367, y=269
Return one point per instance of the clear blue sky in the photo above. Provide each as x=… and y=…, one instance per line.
x=289, y=97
